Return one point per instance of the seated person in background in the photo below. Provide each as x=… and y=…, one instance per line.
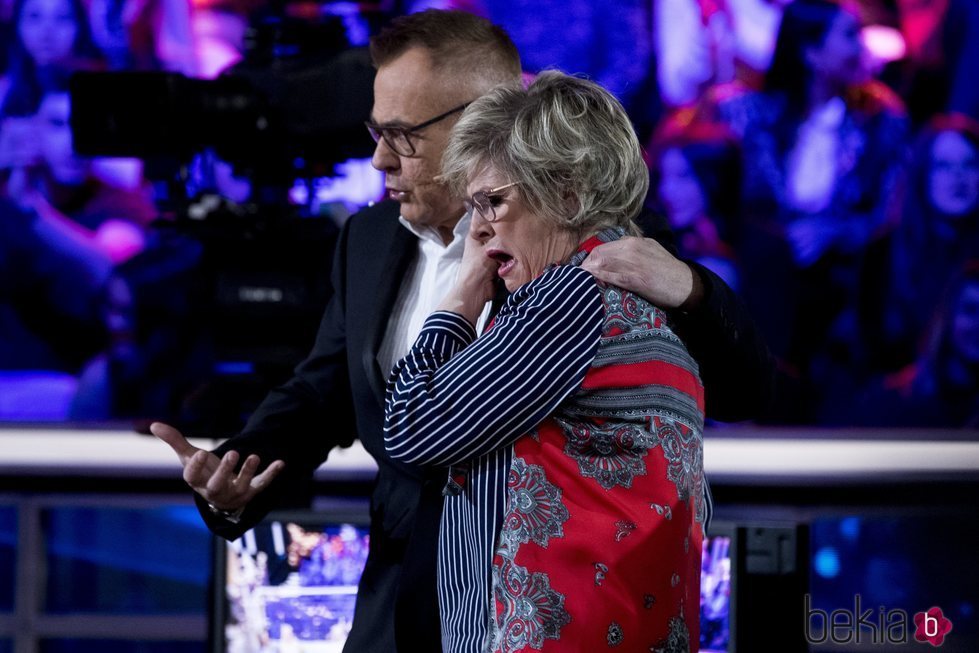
x=52, y=272
x=696, y=174
x=575, y=422
x=158, y=354
x=50, y=296
x=62, y=185
x=941, y=389
x=938, y=232
x=48, y=35
x=50, y=38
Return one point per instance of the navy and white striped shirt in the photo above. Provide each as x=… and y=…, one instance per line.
x=455, y=398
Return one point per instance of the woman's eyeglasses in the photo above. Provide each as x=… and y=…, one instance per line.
x=486, y=201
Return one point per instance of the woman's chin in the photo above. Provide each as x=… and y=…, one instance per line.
x=511, y=275
x=514, y=280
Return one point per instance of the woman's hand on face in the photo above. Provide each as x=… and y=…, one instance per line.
x=474, y=286
x=478, y=271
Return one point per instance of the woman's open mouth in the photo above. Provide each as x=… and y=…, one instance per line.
x=505, y=260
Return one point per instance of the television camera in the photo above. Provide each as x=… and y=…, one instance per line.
x=291, y=110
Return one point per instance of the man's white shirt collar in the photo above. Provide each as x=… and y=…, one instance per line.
x=426, y=281
x=431, y=235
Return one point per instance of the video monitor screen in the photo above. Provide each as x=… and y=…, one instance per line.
x=715, y=590
x=289, y=585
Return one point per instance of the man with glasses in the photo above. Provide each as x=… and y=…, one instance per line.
x=393, y=264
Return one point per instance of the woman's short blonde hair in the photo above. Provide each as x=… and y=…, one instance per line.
x=567, y=141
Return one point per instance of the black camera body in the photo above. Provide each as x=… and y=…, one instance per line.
x=291, y=110
x=296, y=103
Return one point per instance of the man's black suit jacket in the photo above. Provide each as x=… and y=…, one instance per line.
x=337, y=394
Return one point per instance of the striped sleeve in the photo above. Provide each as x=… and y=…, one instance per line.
x=448, y=402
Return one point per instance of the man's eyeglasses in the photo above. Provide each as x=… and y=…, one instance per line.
x=400, y=139
x=485, y=201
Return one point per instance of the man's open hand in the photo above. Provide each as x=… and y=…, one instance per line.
x=215, y=478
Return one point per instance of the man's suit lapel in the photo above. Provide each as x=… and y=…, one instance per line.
x=395, y=259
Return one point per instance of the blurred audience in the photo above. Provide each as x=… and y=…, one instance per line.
x=783, y=165
x=704, y=42
x=609, y=42
x=219, y=28
x=938, y=232
x=962, y=56
x=62, y=185
x=158, y=354
x=823, y=147
x=144, y=34
x=941, y=388
x=942, y=38
x=696, y=180
x=48, y=36
x=926, y=77
x=50, y=296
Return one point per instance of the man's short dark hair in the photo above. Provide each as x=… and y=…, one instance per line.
x=456, y=40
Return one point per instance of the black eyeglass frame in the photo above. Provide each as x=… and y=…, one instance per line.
x=378, y=132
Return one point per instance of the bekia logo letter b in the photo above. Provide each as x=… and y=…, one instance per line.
x=931, y=626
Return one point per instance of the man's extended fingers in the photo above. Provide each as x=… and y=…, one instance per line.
x=247, y=470
x=196, y=472
x=175, y=439
x=223, y=477
x=262, y=481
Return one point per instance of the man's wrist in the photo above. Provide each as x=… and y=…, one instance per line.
x=697, y=291
x=233, y=516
